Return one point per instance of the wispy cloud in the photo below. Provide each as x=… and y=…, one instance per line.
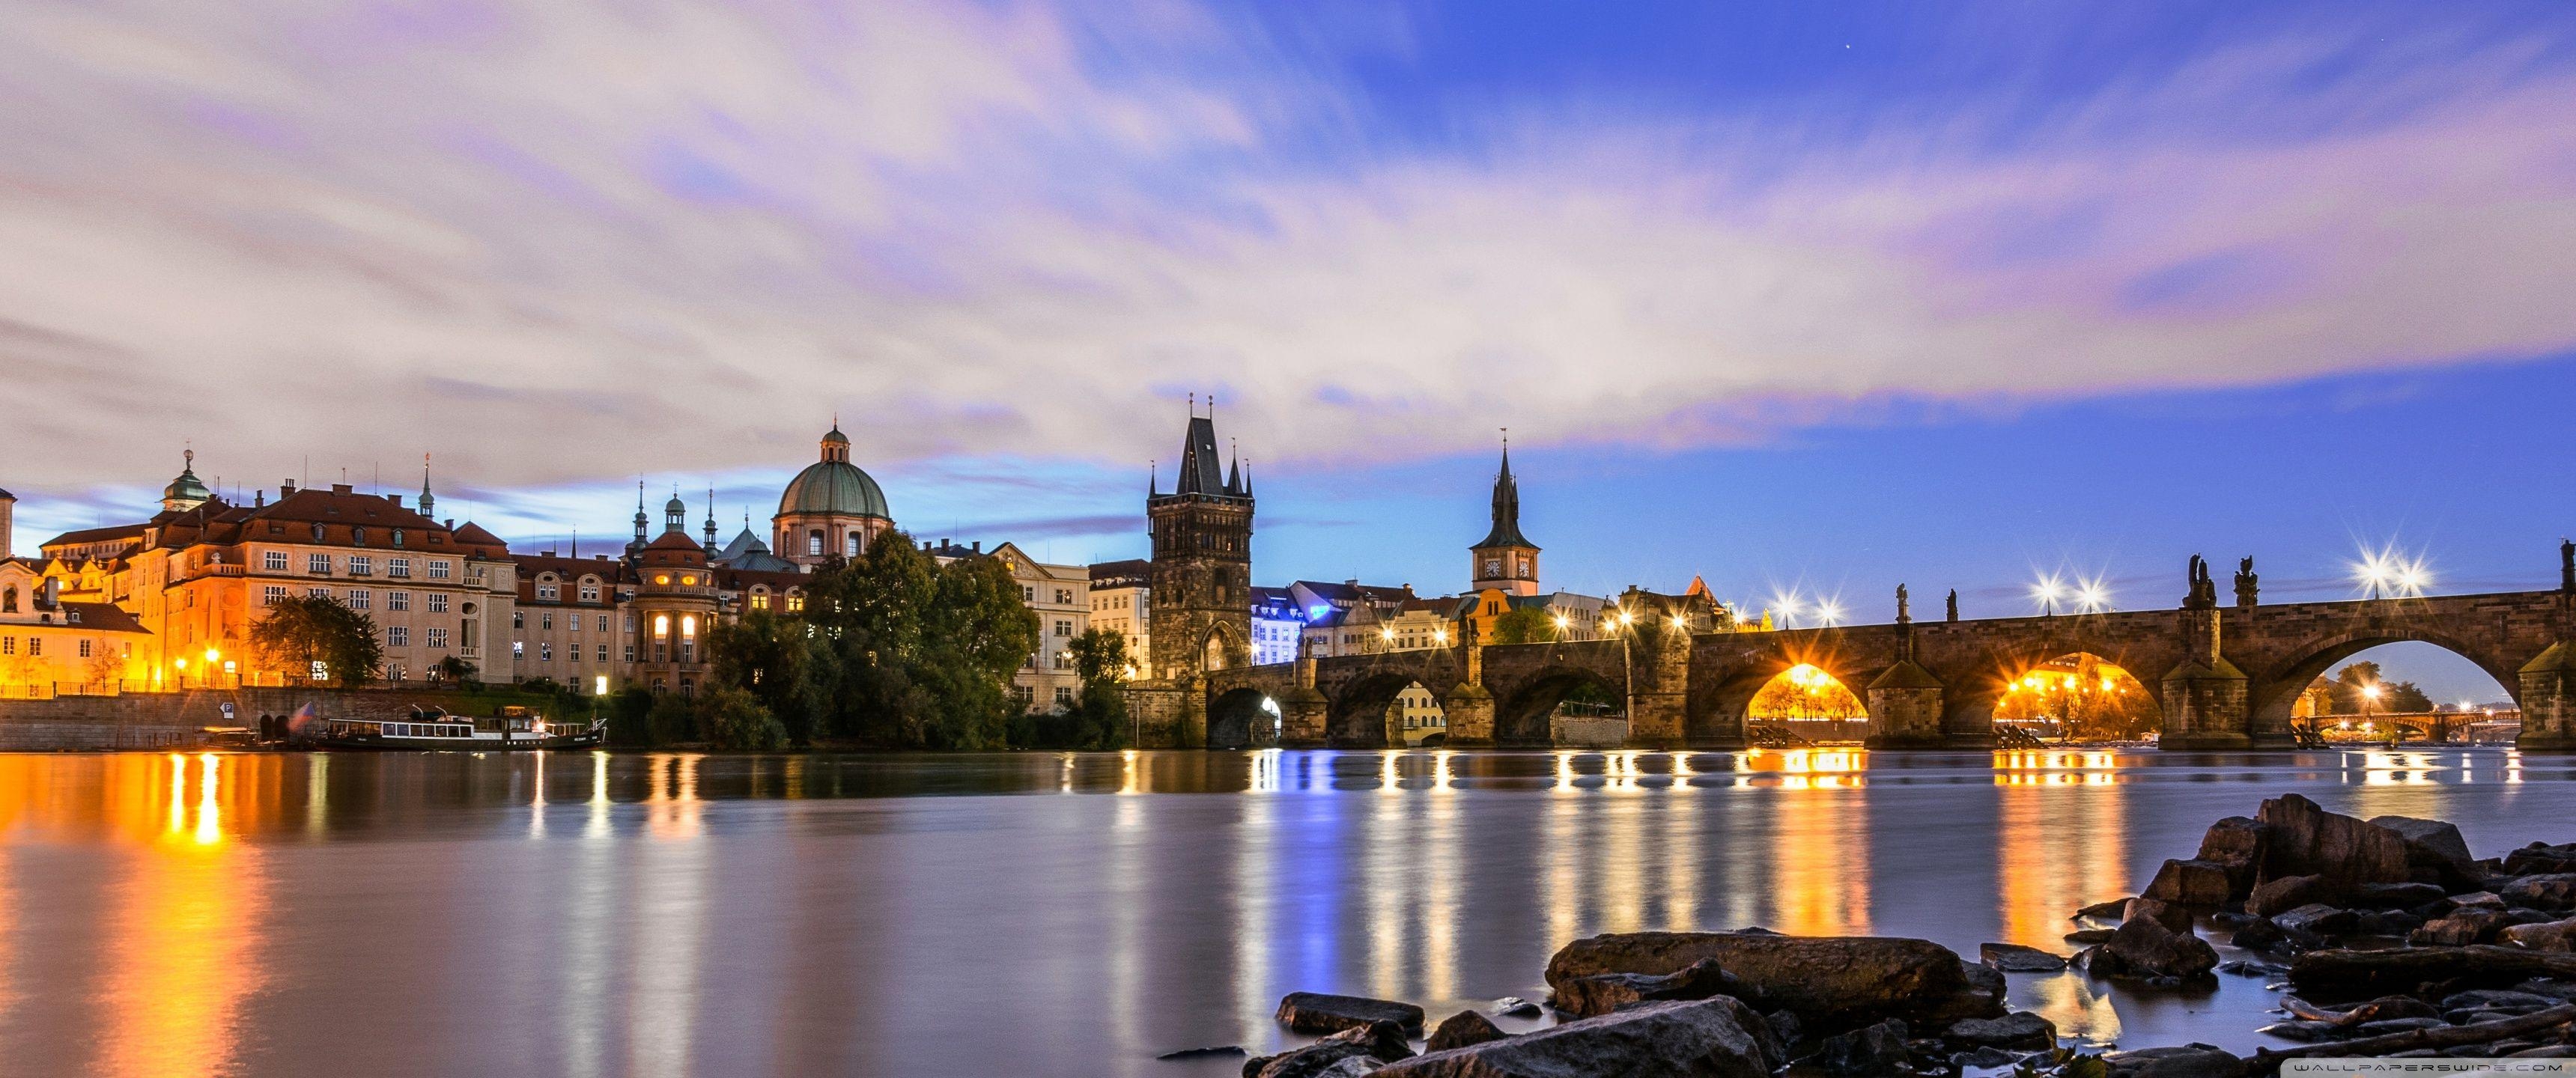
x=558, y=242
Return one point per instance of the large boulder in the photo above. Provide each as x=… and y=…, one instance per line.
x=2429, y=843
x=2185, y=1061
x=1710, y=1038
x=2544, y=936
x=1462, y=1029
x=2015, y=958
x=1321, y=1012
x=2020, y=1029
x=1828, y=980
x=2144, y=947
x=2555, y=891
x=2195, y=883
x=1870, y=1051
x=1379, y=1042
x=2235, y=845
x=2302, y=839
x=2282, y=894
x=1602, y=993
x=2177, y=918
x=2476, y=924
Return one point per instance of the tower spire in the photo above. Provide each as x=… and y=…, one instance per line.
x=428, y=503
x=711, y=520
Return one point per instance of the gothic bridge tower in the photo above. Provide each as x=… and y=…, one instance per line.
x=1505, y=561
x=1201, y=602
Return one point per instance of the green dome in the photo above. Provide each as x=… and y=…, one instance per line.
x=834, y=486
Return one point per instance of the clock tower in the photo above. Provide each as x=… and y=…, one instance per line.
x=1505, y=561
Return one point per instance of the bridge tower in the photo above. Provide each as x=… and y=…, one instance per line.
x=1200, y=606
x=1504, y=561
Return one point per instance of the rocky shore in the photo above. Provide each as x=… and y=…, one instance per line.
x=2385, y=937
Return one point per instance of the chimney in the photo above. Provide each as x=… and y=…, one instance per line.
x=449, y=523
x=259, y=499
x=979, y=546
x=341, y=488
x=53, y=592
x=285, y=487
x=396, y=499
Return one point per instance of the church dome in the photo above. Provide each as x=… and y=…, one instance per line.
x=834, y=485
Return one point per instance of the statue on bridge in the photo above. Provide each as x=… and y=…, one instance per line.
x=1903, y=616
x=2204, y=591
x=2567, y=565
x=2245, y=582
x=1954, y=604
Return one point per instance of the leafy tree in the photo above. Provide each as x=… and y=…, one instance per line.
x=457, y=669
x=2091, y=700
x=975, y=633
x=1097, y=719
x=673, y=720
x=1524, y=625
x=733, y=718
x=630, y=717
x=299, y=631
x=765, y=655
x=2345, y=695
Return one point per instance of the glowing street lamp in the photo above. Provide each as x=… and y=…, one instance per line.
x=2092, y=598
x=2386, y=573
x=1828, y=612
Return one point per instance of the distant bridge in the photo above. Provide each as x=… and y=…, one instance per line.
x=2223, y=677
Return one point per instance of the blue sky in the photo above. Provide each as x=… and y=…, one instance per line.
x=1790, y=296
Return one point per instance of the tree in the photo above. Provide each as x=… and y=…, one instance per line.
x=733, y=718
x=2089, y=699
x=2345, y=693
x=765, y=655
x=673, y=720
x=630, y=714
x=299, y=631
x=1524, y=625
x=1097, y=719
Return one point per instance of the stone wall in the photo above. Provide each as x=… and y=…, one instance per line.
x=178, y=719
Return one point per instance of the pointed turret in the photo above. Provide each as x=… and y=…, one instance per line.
x=428, y=502
x=1505, y=559
x=640, y=520
x=711, y=520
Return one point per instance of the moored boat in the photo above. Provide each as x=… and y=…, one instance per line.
x=431, y=730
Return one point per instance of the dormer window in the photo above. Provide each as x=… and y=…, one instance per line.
x=317, y=533
x=358, y=536
x=398, y=537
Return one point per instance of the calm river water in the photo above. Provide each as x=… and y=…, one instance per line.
x=449, y=914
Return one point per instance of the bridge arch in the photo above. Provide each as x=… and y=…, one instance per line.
x=1355, y=717
x=2277, y=690
x=1972, y=692
x=1236, y=718
x=1220, y=649
x=1522, y=709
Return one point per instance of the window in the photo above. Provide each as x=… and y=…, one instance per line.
x=546, y=620
x=1063, y=627
x=438, y=638
x=573, y=653
x=398, y=537
x=313, y=593
x=397, y=636
x=1064, y=660
x=1028, y=594
x=317, y=564
x=518, y=619
x=8, y=645
x=358, y=536
x=518, y=649
x=814, y=544
x=603, y=627
x=630, y=653
x=760, y=600
x=546, y=591
x=1064, y=695
x=84, y=647
x=853, y=538
x=1023, y=694
x=438, y=602
x=795, y=602
x=358, y=599
x=274, y=561
x=394, y=671
x=589, y=591
x=397, y=600
x=603, y=652
x=317, y=533
x=272, y=594
x=438, y=570
x=35, y=646
x=1063, y=595
x=361, y=565
x=400, y=567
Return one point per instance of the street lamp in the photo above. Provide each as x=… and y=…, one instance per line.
x=2047, y=591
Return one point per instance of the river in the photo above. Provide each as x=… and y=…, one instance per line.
x=659, y=914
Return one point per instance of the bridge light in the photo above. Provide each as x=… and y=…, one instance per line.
x=1828, y=612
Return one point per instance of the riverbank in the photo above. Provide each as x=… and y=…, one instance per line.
x=2385, y=937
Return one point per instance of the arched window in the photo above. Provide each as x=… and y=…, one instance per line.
x=9, y=600
x=662, y=625
x=853, y=544
x=814, y=543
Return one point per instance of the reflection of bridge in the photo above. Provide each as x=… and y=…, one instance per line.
x=2224, y=677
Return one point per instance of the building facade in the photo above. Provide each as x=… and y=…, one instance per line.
x=1201, y=599
x=1504, y=560
x=1276, y=626
x=830, y=510
x=1122, y=602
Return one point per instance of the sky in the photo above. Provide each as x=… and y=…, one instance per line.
x=1797, y=298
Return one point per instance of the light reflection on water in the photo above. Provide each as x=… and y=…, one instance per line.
x=667, y=914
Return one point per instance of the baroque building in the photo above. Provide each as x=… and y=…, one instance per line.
x=830, y=510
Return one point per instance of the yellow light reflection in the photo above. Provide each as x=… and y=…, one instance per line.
x=184, y=934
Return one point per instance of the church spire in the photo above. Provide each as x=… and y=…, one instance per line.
x=640, y=519
x=711, y=520
x=428, y=503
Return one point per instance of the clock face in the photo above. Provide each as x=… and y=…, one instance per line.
x=1493, y=567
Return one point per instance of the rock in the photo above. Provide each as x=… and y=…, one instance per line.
x=2393, y=896
x=1871, y=1050
x=2302, y=839
x=2552, y=892
x=2187, y=1061
x=2386, y=923
x=2235, y=845
x=2020, y=1029
x=1204, y=1053
x=2145, y=947
x=2171, y=915
x=2429, y=842
x=1376, y=1041
x=2477, y=899
x=2230, y=920
x=2499, y=998
x=2246, y=967
x=2104, y=911
x=2544, y=936
x=1516, y=1007
x=2015, y=958
x=2396, y=1025
x=2473, y=925
x=2329, y=975
x=2316, y=917
x=1710, y=1038
x=2287, y=893
x=2086, y=937
x=1462, y=1029
x=2302, y=1030
x=2540, y=857
x=1786, y=1028
x=1351, y=1067
x=1319, y=1012
x=1985, y=1059
x=1847, y=978
x=2194, y=883
x=2262, y=935
x=1603, y=993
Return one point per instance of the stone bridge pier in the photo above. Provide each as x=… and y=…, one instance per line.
x=2221, y=676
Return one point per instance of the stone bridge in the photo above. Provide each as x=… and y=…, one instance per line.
x=2223, y=677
